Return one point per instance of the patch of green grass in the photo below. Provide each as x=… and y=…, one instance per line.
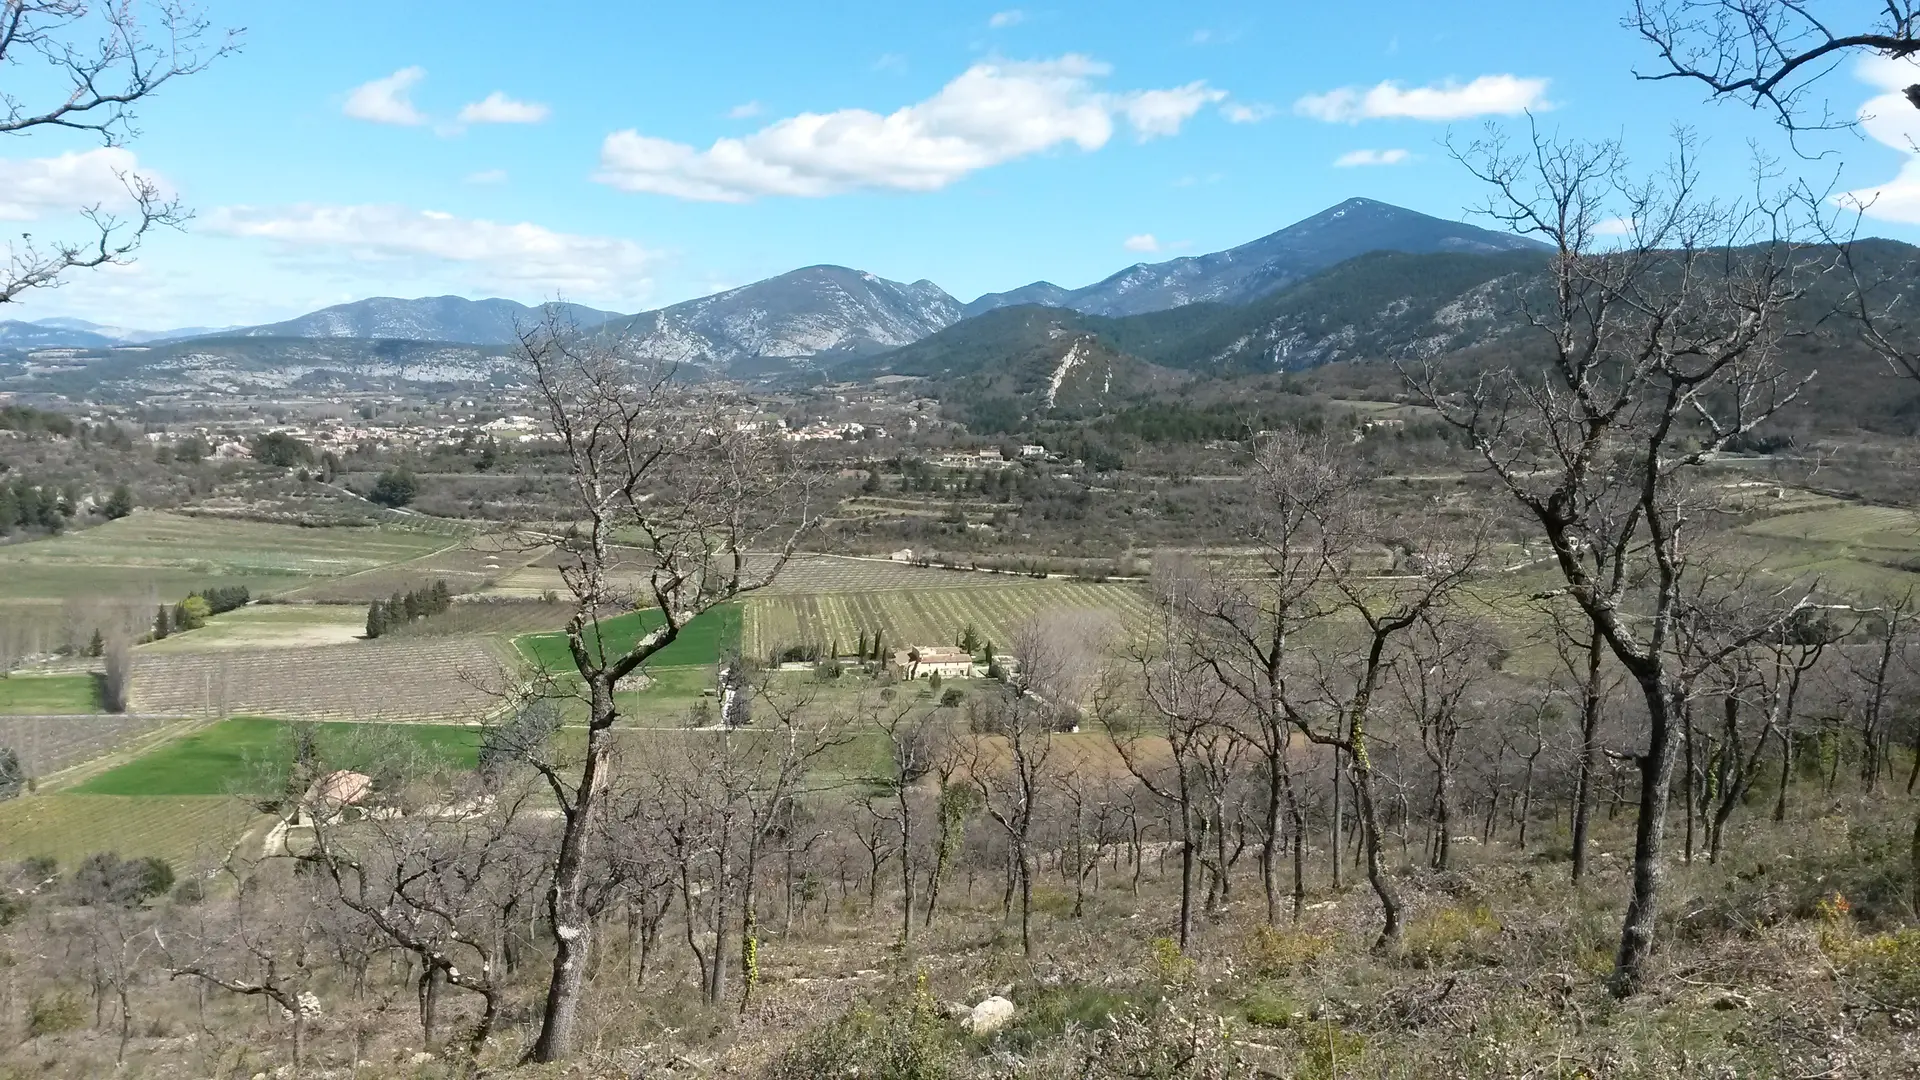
x=251, y=755
x=700, y=641
x=173, y=554
x=186, y=831
x=50, y=695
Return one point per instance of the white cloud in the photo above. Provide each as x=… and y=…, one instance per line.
x=1003, y=19
x=1889, y=118
x=1487, y=95
x=744, y=111
x=32, y=188
x=1237, y=112
x=1353, y=158
x=487, y=176
x=498, y=108
x=1615, y=226
x=1142, y=242
x=385, y=101
x=1158, y=113
x=890, y=62
x=1200, y=37
x=521, y=257
x=994, y=112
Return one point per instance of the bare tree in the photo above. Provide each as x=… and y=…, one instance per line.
x=118, y=679
x=1447, y=659
x=424, y=870
x=1650, y=355
x=913, y=745
x=672, y=467
x=110, y=57
x=1379, y=605
x=1769, y=53
x=1058, y=657
x=1185, y=700
x=1246, y=626
x=264, y=944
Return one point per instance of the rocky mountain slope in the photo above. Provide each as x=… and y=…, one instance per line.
x=771, y=325
x=1245, y=273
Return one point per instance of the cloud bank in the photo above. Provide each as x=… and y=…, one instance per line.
x=994, y=112
x=1488, y=95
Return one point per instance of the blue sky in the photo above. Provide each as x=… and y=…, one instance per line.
x=630, y=155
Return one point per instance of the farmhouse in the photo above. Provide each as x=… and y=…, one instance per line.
x=922, y=661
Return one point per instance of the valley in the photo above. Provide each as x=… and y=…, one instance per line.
x=1391, y=646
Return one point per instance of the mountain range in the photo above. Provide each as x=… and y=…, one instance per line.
x=1240, y=274
x=818, y=316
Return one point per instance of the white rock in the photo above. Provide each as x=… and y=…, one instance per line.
x=421, y=1058
x=989, y=1016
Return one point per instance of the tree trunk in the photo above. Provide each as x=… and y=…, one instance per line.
x=1589, y=755
x=1649, y=841
x=1339, y=842
x=567, y=909
x=1270, y=844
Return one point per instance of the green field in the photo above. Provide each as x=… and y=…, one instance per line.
x=923, y=616
x=173, y=554
x=50, y=695
x=185, y=831
x=250, y=754
x=700, y=642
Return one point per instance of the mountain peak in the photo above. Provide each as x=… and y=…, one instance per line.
x=1238, y=275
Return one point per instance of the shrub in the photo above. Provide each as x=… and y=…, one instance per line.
x=281, y=449
x=106, y=878
x=906, y=1039
x=1266, y=1007
x=1169, y=965
x=394, y=488
x=1453, y=936
x=13, y=777
x=51, y=1014
x=1275, y=951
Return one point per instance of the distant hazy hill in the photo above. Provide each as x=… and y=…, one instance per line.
x=81, y=334
x=26, y=335
x=431, y=318
x=818, y=311
x=1238, y=275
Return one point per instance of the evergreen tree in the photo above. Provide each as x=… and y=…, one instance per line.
x=119, y=504
x=162, y=623
x=970, y=639
x=97, y=646
x=376, y=619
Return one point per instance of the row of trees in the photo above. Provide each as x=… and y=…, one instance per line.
x=193, y=611
x=402, y=609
